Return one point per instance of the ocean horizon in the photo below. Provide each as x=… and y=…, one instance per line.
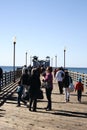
x=9, y=68
x=78, y=69
x=74, y=69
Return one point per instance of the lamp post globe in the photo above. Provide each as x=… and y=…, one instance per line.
x=64, y=57
x=26, y=58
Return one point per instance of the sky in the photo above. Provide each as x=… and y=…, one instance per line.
x=43, y=28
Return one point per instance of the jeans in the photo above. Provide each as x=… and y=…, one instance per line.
x=67, y=94
x=60, y=84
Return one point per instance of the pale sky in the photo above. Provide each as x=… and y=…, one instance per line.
x=44, y=28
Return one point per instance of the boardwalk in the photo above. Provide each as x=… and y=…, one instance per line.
x=64, y=116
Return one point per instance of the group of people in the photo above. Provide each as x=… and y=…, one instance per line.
x=64, y=80
x=30, y=83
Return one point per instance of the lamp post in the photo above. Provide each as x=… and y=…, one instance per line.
x=52, y=62
x=30, y=60
x=64, y=56
x=55, y=60
x=14, y=42
x=26, y=58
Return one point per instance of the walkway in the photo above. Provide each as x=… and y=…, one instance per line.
x=64, y=116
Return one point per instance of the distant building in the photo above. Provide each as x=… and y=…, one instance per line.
x=37, y=63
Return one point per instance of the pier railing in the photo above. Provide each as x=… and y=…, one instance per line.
x=9, y=77
x=7, y=84
x=76, y=75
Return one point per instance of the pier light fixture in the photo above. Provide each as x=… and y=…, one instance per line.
x=14, y=42
x=31, y=60
x=64, y=56
x=56, y=61
x=26, y=58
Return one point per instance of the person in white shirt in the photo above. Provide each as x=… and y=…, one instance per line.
x=59, y=77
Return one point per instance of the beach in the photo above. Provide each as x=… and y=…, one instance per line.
x=63, y=116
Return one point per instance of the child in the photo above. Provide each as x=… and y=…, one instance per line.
x=20, y=92
x=79, y=88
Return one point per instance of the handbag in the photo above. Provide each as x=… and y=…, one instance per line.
x=26, y=96
x=46, y=85
x=40, y=94
x=71, y=87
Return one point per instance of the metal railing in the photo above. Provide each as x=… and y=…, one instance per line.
x=8, y=77
x=7, y=84
x=75, y=76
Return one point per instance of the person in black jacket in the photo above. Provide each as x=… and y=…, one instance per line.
x=35, y=84
x=25, y=82
x=67, y=80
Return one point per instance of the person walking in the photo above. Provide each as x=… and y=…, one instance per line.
x=79, y=88
x=59, y=77
x=66, y=81
x=25, y=81
x=20, y=92
x=48, y=79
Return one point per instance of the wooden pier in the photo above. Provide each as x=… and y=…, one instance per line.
x=64, y=116
x=8, y=86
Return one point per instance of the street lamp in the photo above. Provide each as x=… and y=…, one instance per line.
x=26, y=58
x=55, y=60
x=52, y=62
x=14, y=42
x=64, y=57
x=30, y=60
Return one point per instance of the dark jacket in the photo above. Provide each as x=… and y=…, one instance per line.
x=35, y=84
x=25, y=79
x=67, y=80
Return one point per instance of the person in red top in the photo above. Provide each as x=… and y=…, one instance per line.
x=79, y=88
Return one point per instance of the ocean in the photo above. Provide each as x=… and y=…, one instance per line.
x=8, y=68
x=77, y=69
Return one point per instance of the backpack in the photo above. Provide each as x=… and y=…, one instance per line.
x=62, y=75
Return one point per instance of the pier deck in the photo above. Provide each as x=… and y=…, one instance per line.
x=64, y=116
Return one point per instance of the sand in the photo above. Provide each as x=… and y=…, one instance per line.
x=64, y=116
